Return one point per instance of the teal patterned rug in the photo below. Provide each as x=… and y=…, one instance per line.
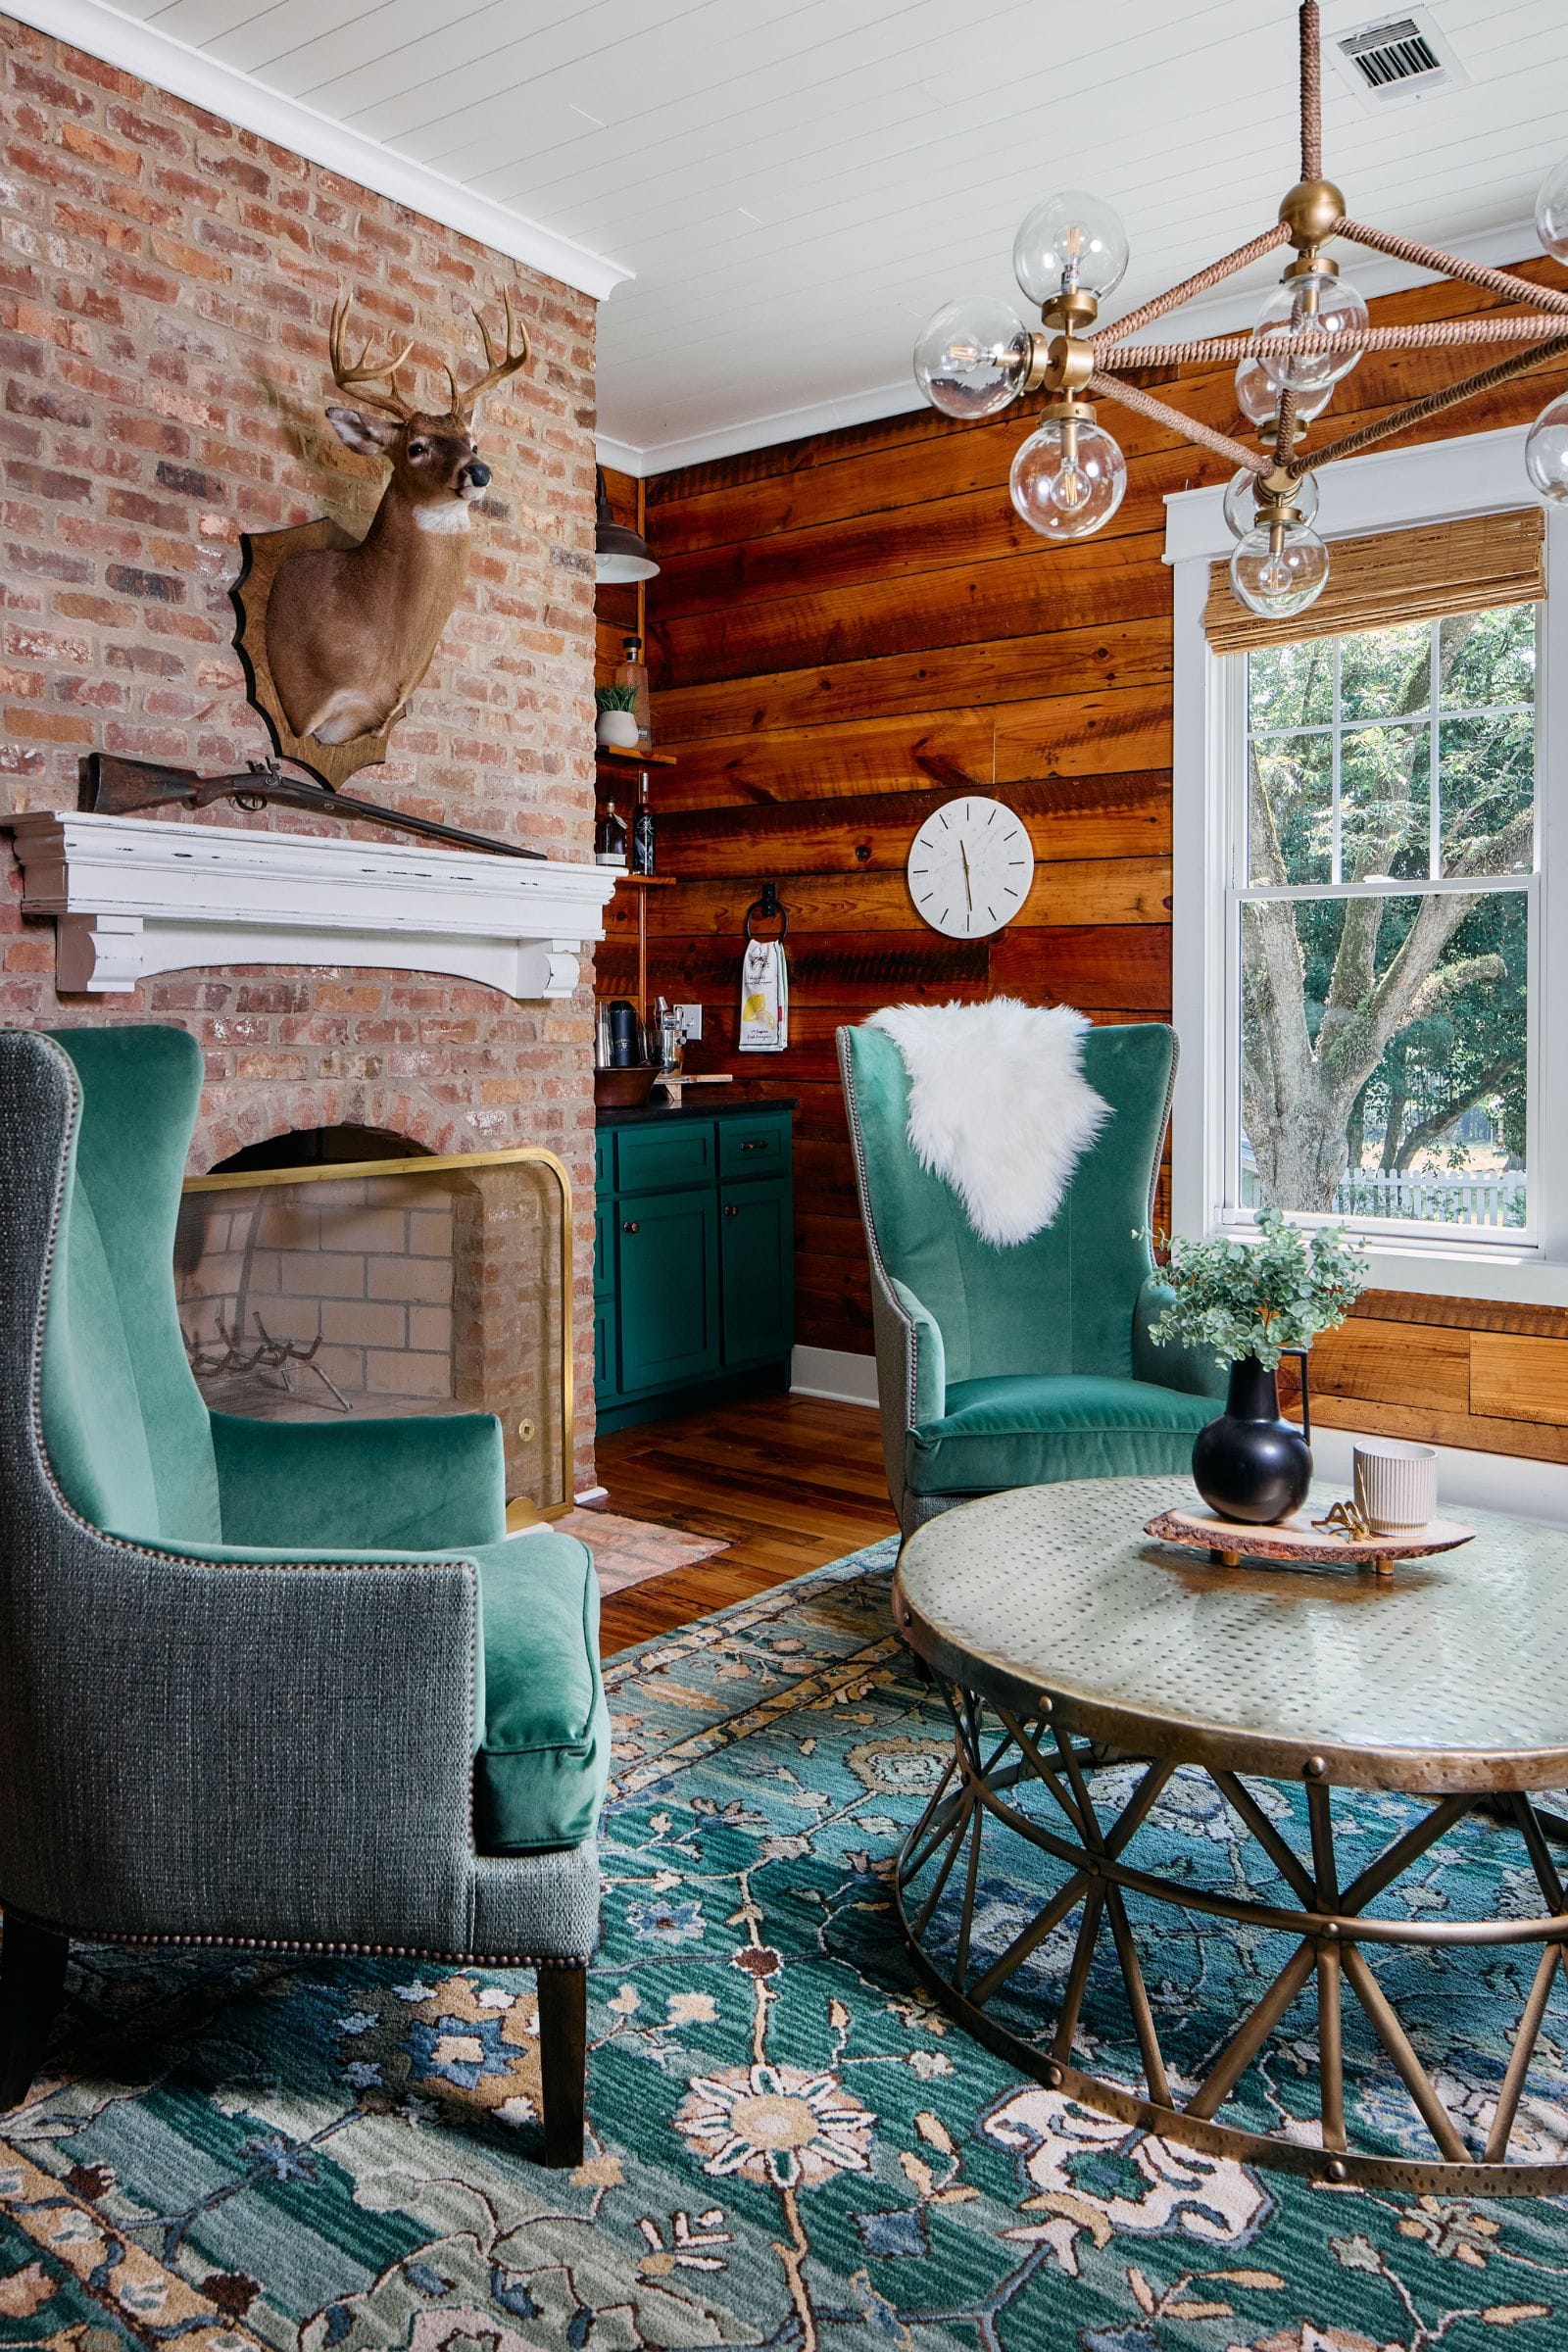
x=792, y=2149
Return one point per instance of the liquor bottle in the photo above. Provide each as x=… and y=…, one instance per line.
x=642, y=830
x=633, y=672
x=610, y=839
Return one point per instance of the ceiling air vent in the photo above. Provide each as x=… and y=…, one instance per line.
x=1398, y=60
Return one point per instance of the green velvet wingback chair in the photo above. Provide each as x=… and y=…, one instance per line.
x=1016, y=1367
x=261, y=1683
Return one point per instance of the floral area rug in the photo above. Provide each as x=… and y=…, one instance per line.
x=792, y=2150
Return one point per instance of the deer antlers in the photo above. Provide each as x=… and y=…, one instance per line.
x=353, y=376
x=500, y=366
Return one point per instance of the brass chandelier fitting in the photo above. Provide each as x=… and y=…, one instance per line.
x=1068, y=478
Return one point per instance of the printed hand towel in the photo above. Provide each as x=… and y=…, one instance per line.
x=764, y=997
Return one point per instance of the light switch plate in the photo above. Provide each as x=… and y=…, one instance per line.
x=690, y=1017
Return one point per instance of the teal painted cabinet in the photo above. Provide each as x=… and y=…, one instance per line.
x=694, y=1262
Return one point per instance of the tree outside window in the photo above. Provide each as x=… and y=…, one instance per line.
x=1385, y=917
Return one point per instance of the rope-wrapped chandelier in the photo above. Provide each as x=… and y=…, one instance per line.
x=1068, y=478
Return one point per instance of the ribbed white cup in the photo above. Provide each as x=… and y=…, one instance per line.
x=1396, y=1484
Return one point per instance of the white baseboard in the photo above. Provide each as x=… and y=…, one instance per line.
x=833, y=1372
x=1485, y=1482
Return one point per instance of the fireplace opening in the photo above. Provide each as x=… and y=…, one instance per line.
x=343, y=1271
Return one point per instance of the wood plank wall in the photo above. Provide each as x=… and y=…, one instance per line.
x=848, y=630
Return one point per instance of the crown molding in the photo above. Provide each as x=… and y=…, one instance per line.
x=761, y=433
x=204, y=81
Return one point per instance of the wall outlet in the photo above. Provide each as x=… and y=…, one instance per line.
x=690, y=1017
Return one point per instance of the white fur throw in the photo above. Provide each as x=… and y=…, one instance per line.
x=999, y=1106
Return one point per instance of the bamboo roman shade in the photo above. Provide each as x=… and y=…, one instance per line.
x=1392, y=576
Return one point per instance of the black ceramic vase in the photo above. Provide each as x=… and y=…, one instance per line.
x=1249, y=1464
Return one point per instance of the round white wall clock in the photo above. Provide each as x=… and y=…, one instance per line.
x=970, y=867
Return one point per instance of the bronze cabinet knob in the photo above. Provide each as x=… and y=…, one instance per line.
x=630, y=1225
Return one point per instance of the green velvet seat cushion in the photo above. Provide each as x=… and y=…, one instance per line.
x=1029, y=1430
x=545, y=1753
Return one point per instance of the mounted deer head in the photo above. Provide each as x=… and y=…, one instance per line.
x=350, y=630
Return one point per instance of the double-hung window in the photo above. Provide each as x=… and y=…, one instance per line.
x=1366, y=912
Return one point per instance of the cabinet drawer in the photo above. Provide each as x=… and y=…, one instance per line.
x=754, y=1147
x=657, y=1158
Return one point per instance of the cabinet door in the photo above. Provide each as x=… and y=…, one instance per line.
x=666, y=1246
x=757, y=1245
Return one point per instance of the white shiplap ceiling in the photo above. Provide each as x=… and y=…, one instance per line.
x=786, y=188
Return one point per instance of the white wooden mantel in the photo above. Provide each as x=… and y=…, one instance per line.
x=131, y=895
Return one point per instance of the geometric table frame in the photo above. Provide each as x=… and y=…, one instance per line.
x=1009, y=1732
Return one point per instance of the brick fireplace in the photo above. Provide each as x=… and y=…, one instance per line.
x=166, y=284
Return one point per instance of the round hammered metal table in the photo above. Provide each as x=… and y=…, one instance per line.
x=1069, y=1644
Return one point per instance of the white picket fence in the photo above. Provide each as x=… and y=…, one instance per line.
x=1440, y=1199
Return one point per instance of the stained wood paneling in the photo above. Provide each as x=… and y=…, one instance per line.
x=847, y=630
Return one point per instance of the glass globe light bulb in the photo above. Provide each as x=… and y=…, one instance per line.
x=1258, y=398
x=1546, y=450
x=1314, y=304
x=1068, y=478
x=972, y=356
x=1552, y=213
x=1071, y=243
x=1280, y=570
x=1241, y=500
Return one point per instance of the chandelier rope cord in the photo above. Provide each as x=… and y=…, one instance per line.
x=1311, y=95
x=1436, y=334
x=1159, y=412
x=1450, y=265
x=1417, y=412
x=1201, y=281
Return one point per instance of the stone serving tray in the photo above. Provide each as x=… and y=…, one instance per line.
x=1229, y=1543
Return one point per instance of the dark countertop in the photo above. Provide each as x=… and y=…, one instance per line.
x=699, y=1103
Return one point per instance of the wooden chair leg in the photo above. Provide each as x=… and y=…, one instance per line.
x=32, y=1976
x=564, y=2060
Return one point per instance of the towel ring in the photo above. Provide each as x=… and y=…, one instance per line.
x=770, y=907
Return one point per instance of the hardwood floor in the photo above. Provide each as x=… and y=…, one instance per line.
x=788, y=1483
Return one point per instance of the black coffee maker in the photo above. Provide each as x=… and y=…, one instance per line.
x=621, y=1045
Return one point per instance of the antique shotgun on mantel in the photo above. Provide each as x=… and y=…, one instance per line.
x=113, y=786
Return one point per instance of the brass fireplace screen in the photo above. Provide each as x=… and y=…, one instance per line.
x=438, y=1285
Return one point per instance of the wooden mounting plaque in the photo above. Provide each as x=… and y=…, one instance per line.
x=1229, y=1541
x=261, y=552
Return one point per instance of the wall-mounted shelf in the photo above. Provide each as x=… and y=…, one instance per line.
x=611, y=755
x=650, y=881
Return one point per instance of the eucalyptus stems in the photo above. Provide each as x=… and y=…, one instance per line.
x=1261, y=1299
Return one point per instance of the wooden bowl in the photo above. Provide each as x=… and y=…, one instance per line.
x=624, y=1089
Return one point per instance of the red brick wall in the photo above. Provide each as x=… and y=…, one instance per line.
x=165, y=282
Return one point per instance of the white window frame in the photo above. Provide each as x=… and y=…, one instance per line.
x=1478, y=473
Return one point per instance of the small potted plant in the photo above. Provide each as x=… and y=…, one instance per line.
x=1252, y=1302
x=617, y=715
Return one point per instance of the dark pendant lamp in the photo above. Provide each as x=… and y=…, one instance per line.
x=620, y=554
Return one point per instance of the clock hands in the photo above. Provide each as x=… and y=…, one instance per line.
x=968, y=893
